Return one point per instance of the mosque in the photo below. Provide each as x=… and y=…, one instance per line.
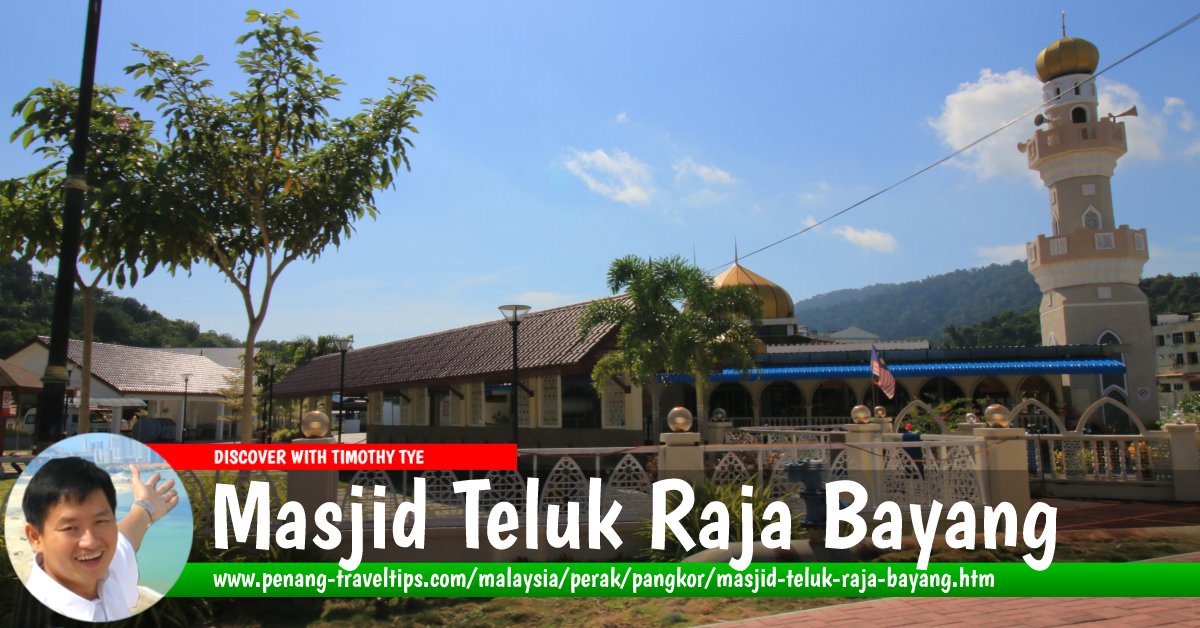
x=455, y=386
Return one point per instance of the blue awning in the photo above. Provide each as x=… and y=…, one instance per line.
x=914, y=369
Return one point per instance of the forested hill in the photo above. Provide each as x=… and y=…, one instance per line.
x=922, y=309
x=27, y=298
x=925, y=308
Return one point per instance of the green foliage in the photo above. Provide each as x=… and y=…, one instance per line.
x=1189, y=405
x=28, y=297
x=952, y=411
x=672, y=319
x=1169, y=294
x=1006, y=329
x=921, y=309
x=123, y=235
x=731, y=496
x=266, y=176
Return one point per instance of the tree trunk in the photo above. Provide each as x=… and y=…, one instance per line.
x=246, y=421
x=655, y=414
x=85, y=373
x=701, y=399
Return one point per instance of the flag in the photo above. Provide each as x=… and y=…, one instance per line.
x=882, y=376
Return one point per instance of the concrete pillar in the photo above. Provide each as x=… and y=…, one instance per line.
x=865, y=466
x=375, y=407
x=681, y=456
x=1006, y=471
x=1185, y=461
x=311, y=489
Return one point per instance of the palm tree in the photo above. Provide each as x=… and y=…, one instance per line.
x=672, y=318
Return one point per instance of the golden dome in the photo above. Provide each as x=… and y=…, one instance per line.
x=777, y=303
x=1069, y=55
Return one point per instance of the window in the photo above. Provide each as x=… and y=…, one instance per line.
x=1089, y=189
x=1177, y=338
x=1139, y=242
x=1078, y=114
x=1105, y=241
x=1091, y=219
x=1191, y=337
x=1058, y=246
x=1161, y=340
x=1178, y=386
x=1191, y=358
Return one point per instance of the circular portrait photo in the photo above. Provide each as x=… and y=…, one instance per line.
x=98, y=527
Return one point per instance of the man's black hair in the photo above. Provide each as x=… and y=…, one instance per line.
x=72, y=479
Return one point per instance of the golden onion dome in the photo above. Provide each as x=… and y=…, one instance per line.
x=777, y=303
x=1069, y=55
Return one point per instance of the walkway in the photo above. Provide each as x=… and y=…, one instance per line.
x=1034, y=612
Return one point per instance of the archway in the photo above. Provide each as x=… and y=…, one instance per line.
x=990, y=390
x=939, y=389
x=1036, y=387
x=734, y=399
x=782, y=400
x=833, y=398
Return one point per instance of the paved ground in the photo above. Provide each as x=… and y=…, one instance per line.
x=1074, y=514
x=1034, y=612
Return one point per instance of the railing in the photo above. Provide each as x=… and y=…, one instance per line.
x=1122, y=458
x=816, y=422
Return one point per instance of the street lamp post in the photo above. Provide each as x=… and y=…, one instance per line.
x=343, y=345
x=513, y=314
x=270, y=397
x=183, y=422
x=49, y=424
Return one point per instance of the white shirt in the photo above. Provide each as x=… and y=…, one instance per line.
x=118, y=589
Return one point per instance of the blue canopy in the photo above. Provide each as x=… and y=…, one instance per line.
x=914, y=369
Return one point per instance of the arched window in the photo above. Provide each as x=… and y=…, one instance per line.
x=1091, y=219
x=1079, y=115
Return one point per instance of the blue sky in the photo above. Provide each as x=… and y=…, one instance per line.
x=568, y=134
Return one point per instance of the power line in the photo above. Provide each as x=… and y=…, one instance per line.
x=956, y=153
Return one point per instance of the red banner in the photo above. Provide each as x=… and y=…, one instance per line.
x=298, y=457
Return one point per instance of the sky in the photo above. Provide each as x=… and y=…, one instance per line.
x=566, y=135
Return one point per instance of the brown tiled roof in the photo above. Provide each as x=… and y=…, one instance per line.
x=548, y=339
x=132, y=370
x=13, y=377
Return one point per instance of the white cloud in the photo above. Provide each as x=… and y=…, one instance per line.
x=1147, y=131
x=1193, y=150
x=622, y=118
x=868, y=238
x=1002, y=254
x=977, y=109
x=687, y=167
x=703, y=198
x=619, y=176
x=816, y=193
x=809, y=222
x=1187, y=121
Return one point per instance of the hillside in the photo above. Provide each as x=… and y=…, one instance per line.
x=922, y=309
x=27, y=298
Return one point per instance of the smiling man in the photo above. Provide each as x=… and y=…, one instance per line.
x=85, y=565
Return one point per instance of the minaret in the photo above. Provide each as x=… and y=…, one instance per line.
x=1089, y=267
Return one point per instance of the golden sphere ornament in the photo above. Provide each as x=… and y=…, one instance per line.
x=679, y=419
x=315, y=424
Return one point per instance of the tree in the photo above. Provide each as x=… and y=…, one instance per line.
x=673, y=319
x=268, y=177
x=120, y=230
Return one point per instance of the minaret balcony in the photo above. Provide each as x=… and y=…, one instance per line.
x=1113, y=255
x=1104, y=134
